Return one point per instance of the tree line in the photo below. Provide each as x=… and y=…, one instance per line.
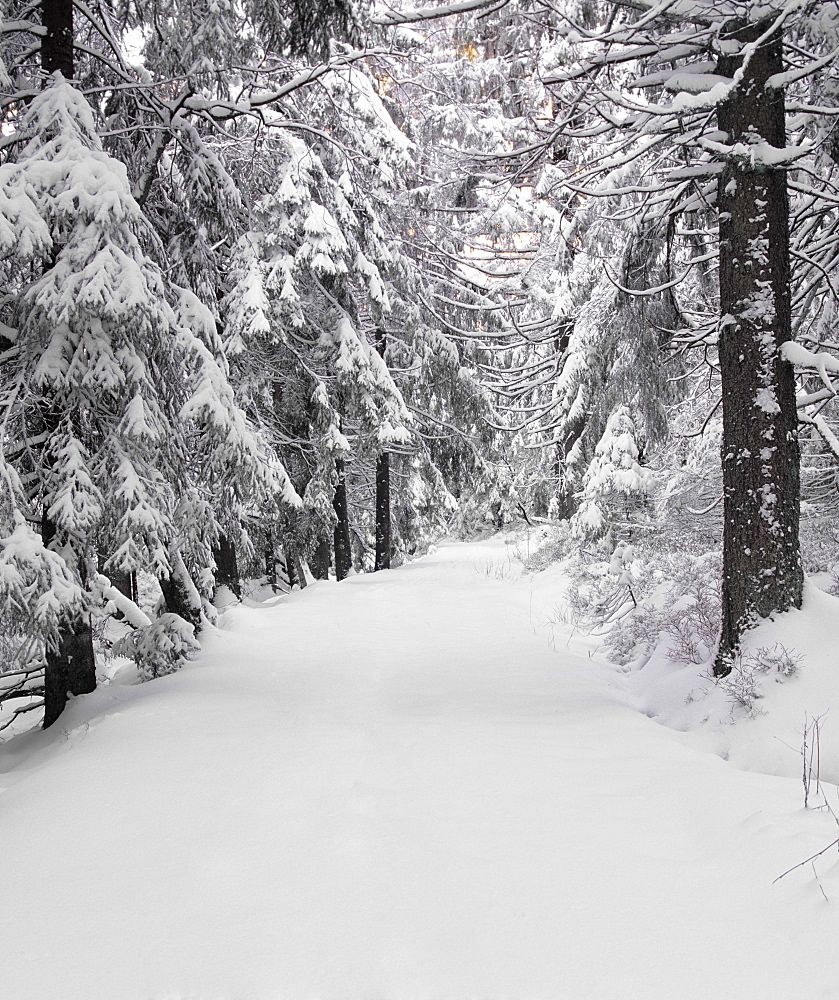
x=306, y=281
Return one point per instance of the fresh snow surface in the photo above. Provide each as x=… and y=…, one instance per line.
x=403, y=786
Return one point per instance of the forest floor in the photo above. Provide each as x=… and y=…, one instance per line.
x=397, y=787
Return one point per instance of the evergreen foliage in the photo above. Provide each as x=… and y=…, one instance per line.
x=322, y=281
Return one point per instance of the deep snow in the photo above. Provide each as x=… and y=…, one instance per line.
x=394, y=787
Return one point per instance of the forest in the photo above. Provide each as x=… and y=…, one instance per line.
x=299, y=288
x=419, y=464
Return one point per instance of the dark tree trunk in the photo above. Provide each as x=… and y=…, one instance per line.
x=57, y=41
x=294, y=564
x=564, y=493
x=383, y=525
x=762, y=572
x=70, y=669
x=288, y=565
x=227, y=569
x=178, y=598
x=384, y=539
x=71, y=666
x=322, y=555
x=271, y=563
x=343, y=552
x=126, y=583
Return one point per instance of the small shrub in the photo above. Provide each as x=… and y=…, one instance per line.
x=558, y=546
x=776, y=659
x=679, y=601
x=596, y=598
x=743, y=683
x=160, y=648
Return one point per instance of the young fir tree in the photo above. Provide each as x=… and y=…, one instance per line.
x=615, y=485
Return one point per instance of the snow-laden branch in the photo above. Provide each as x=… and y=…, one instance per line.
x=823, y=364
x=134, y=615
x=220, y=110
x=665, y=286
x=823, y=429
x=25, y=684
x=32, y=706
x=782, y=80
x=389, y=15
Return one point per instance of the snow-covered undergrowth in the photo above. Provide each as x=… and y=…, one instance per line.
x=657, y=620
x=406, y=786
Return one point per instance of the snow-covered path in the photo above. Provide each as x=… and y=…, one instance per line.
x=392, y=788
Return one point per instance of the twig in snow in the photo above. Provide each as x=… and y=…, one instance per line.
x=807, y=861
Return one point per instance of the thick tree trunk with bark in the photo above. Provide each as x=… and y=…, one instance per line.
x=762, y=572
x=57, y=41
x=71, y=666
x=227, y=568
x=343, y=552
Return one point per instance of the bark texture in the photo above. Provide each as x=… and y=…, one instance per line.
x=125, y=582
x=57, y=42
x=180, y=596
x=383, y=523
x=321, y=558
x=343, y=552
x=71, y=665
x=270, y=559
x=295, y=564
x=70, y=669
x=227, y=568
x=384, y=533
x=762, y=572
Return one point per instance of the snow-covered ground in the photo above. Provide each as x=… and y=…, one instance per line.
x=405, y=786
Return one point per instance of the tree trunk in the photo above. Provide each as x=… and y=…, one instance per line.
x=70, y=669
x=762, y=572
x=57, y=41
x=343, y=553
x=71, y=666
x=227, y=569
x=271, y=563
x=179, y=594
x=322, y=555
x=564, y=498
x=384, y=532
x=383, y=525
x=295, y=565
x=125, y=582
